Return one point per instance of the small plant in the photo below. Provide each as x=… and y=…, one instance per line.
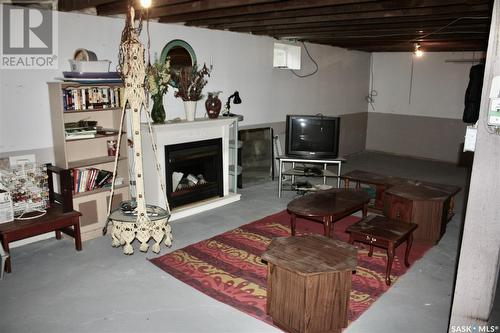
x=158, y=76
x=190, y=82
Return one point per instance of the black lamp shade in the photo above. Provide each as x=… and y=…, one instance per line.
x=237, y=99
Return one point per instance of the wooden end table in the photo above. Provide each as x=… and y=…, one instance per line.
x=54, y=220
x=383, y=232
x=309, y=283
x=329, y=206
x=383, y=183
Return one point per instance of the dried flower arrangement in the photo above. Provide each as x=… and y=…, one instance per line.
x=158, y=76
x=190, y=82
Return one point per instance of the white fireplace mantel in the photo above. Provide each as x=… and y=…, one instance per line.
x=182, y=132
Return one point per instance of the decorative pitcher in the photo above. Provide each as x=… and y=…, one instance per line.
x=213, y=104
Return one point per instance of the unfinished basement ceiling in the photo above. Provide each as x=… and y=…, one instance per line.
x=374, y=26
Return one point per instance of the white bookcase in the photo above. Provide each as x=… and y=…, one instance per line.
x=89, y=153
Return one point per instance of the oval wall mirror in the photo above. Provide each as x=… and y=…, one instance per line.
x=181, y=54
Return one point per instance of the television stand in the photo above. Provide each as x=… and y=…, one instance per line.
x=295, y=171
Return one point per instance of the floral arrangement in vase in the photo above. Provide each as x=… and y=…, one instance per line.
x=158, y=76
x=190, y=83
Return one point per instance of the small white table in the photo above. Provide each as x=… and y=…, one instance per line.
x=325, y=173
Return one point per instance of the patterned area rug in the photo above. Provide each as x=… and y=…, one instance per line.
x=228, y=267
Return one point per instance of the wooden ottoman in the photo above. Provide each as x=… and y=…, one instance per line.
x=309, y=283
x=383, y=232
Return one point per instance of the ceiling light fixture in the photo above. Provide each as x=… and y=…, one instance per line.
x=418, y=52
x=146, y=3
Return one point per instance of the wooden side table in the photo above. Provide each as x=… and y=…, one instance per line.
x=383, y=232
x=384, y=183
x=309, y=283
x=420, y=204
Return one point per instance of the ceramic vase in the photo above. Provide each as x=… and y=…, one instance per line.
x=190, y=110
x=158, y=111
x=213, y=105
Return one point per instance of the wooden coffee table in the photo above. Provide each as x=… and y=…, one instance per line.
x=383, y=232
x=328, y=206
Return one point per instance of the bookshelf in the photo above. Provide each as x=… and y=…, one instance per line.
x=100, y=103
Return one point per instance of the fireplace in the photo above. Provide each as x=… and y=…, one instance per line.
x=171, y=135
x=193, y=171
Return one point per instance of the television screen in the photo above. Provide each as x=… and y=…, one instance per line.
x=312, y=136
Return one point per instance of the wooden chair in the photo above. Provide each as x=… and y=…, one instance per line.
x=60, y=216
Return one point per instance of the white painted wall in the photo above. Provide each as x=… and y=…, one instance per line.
x=438, y=87
x=241, y=62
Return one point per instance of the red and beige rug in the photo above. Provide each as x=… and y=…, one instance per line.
x=228, y=267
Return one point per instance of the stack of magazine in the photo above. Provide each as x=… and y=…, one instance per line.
x=80, y=133
x=80, y=130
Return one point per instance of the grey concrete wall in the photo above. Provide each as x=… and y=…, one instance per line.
x=43, y=155
x=478, y=264
x=352, y=132
x=416, y=136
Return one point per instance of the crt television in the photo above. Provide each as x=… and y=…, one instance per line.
x=312, y=137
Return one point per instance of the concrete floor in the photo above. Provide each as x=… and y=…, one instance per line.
x=53, y=288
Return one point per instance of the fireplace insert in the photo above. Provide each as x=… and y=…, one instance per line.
x=193, y=171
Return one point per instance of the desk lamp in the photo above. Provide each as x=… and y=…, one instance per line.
x=236, y=100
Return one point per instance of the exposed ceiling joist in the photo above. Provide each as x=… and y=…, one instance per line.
x=183, y=7
x=444, y=25
x=70, y=5
x=167, y=16
x=228, y=22
x=383, y=8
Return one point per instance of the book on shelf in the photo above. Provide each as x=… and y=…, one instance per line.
x=89, y=98
x=88, y=179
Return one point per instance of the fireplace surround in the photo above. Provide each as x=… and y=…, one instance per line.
x=184, y=132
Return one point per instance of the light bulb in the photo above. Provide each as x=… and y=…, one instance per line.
x=146, y=3
x=418, y=52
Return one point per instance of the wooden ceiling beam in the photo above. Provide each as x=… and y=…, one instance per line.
x=440, y=20
x=184, y=7
x=376, y=9
x=120, y=6
x=428, y=47
x=416, y=22
x=374, y=29
x=409, y=39
x=69, y=5
x=342, y=17
x=167, y=17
